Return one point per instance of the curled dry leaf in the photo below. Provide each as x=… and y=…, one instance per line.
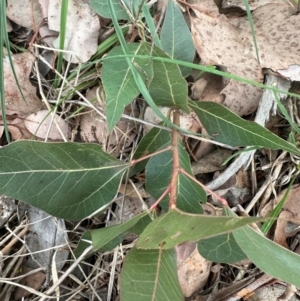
x=15, y=104
x=211, y=162
x=287, y=224
x=17, y=129
x=7, y=208
x=38, y=125
x=193, y=270
x=271, y=293
x=26, y=13
x=228, y=43
x=217, y=44
x=48, y=35
x=94, y=129
x=34, y=281
x=82, y=29
x=188, y=122
x=277, y=32
x=254, y=4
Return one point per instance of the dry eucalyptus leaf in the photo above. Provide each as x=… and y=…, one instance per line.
x=292, y=72
x=7, y=208
x=17, y=130
x=211, y=162
x=198, y=88
x=217, y=44
x=38, y=125
x=254, y=4
x=44, y=7
x=193, y=271
x=82, y=29
x=48, y=35
x=188, y=122
x=26, y=13
x=34, y=281
x=287, y=224
x=134, y=192
x=277, y=31
x=271, y=293
x=45, y=233
x=280, y=235
x=94, y=129
x=13, y=98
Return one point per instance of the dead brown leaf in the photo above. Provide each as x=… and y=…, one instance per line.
x=34, y=281
x=253, y=4
x=15, y=104
x=82, y=29
x=193, y=271
x=220, y=43
x=211, y=162
x=289, y=218
x=228, y=43
x=38, y=125
x=26, y=13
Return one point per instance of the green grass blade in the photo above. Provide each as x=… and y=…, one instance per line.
x=62, y=36
x=210, y=69
x=276, y=211
x=286, y=114
x=151, y=26
x=3, y=33
x=249, y=15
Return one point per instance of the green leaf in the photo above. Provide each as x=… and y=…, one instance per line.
x=67, y=180
x=176, y=227
x=102, y=237
x=227, y=127
x=222, y=248
x=118, y=81
x=85, y=242
x=149, y=275
x=176, y=38
x=133, y=6
x=101, y=8
x=158, y=176
x=149, y=144
x=270, y=257
x=168, y=87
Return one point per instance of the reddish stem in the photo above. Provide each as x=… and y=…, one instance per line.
x=160, y=198
x=222, y=200
x=176, y=163
x=134, y=161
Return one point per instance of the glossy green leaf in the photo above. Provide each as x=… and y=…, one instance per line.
x=101, y=7
x=103, y=236
x=118, y=81
x=176, y=227
x=149, y=275
x=158, y=176
x=227, y=127
x=270, y=257
x=67, y=180
x=168, y=87
x=222, y=248
x=149, y=144
x=176, y=38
